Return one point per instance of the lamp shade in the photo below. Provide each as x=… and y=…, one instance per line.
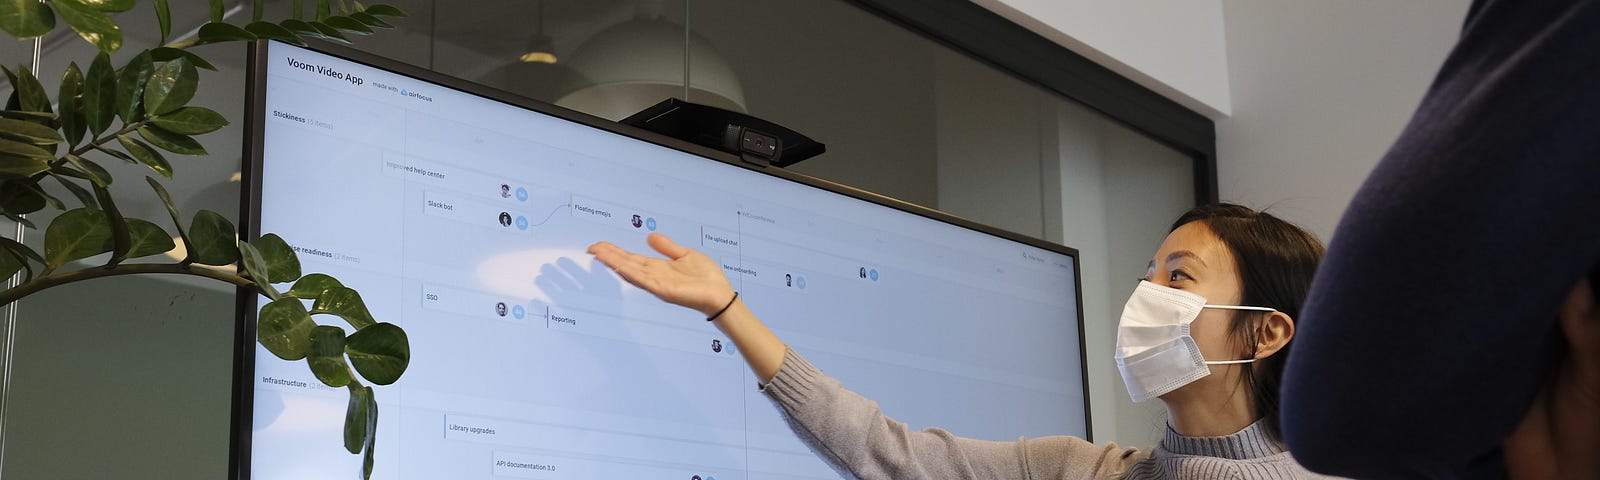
x=638, y=63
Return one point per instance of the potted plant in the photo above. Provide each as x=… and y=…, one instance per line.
x=139, y=113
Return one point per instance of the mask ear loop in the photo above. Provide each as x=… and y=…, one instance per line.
x=1252, y=343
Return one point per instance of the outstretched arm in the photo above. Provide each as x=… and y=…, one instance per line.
x=690, y=279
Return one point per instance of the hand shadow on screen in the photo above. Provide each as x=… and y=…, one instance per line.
x=598, y=290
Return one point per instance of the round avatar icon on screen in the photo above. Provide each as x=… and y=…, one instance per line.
x=716, y=346
x=637, y=221
x=500, y=309
x=522, y=194
x=505, y=191
x=505, y=219
x=873, y=274
x=522, y=222
x=650, y=223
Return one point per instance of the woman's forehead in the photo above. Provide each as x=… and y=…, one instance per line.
x=1196, y=242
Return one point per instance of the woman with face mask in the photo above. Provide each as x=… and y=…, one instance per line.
x=1206, y=331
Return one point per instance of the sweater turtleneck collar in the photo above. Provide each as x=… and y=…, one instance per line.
x=1252, y=442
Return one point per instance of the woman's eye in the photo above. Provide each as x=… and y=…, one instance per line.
x=1176, y=275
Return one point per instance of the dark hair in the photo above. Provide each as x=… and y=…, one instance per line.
x=1276, y=261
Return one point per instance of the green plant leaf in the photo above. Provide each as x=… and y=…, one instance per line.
x=171, y=86
x=121, y=239
x=148, y=239
x=13, y=148
x=146, y=155
x=348, y=24
x=17, y=198
x=345, y=303
x=92, y=171
x=190, y=121
x=282, y=264
x=71, y=105
x=211, y=239
x=99, y=95
x=257, y=268
x=22, y=220
x=299, y=27
x=22, y=253
x=30, y=93
x=164, y=18
x=312, y=285
x=25, y=131
x=91, y=24
x=49, y=199
x=110, y=5
x=370, y=20
x=328, y=32
x=284, y=328
x=380, y=353
x=273, y=31
x=219, y=32
x=326, y=356
x=78, y=191
x=219, y=10
x=173, y=142
x=116, y=154
x=358, y=418
x=76, y=234
x=43, y=118
x=19, y=248
x=21, y=167
x=26, y=19
x=371, y=443
x=163, y=54
x=172, y=210
x=130, y=86
x=10, y=264
x=385, y=10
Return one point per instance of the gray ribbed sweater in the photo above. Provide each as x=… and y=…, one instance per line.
x=850, y=433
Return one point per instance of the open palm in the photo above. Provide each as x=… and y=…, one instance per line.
x=685, y=277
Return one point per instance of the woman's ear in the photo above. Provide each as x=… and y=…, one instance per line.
x=1273, y=334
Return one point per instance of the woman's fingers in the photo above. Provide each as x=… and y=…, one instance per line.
x=666, y=246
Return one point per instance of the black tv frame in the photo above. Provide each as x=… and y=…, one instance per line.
x=243, y=405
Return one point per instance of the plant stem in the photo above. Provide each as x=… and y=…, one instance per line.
x=57, y=279
x=97, y=142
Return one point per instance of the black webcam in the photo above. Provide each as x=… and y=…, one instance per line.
x=755, y=140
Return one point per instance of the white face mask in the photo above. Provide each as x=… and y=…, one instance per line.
x=1154, y=350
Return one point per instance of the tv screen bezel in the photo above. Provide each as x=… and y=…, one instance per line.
x=242, y=409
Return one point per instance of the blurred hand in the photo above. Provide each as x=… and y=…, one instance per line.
x=686, y=277
x=1561, y=433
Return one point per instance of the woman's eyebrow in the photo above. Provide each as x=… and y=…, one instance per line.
x=1185, y=254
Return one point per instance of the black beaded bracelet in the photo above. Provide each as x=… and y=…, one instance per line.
x=724, y=307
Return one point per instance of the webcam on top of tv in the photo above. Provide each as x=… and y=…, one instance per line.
x=754, y=140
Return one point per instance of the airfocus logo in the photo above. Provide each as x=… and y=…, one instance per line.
x=414, y=94
x=322, y=70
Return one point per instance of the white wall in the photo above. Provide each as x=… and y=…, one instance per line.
x=1174, y=47
x=1307, y=95
x=1320, y=90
